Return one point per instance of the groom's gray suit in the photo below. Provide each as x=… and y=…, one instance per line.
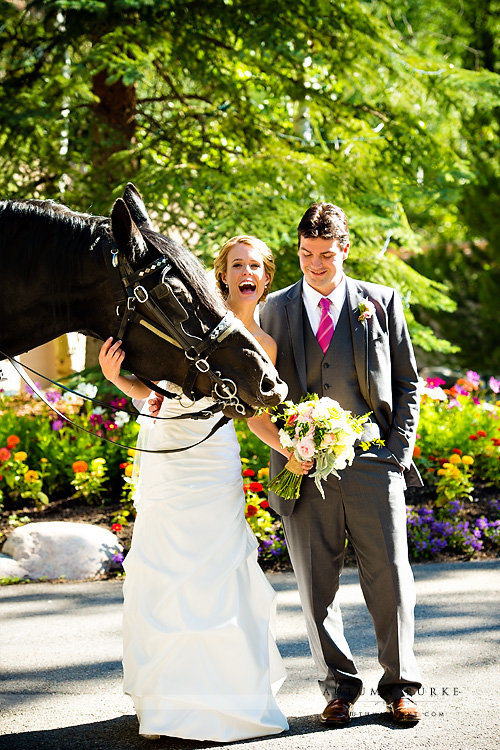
x=368, y=367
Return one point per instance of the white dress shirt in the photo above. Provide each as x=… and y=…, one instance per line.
x=311, y=302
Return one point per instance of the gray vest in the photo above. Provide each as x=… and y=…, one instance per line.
x=333, y=374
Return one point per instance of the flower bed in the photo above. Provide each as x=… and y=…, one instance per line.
x=49, y=470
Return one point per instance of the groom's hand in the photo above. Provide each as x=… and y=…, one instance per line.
x=155, y=404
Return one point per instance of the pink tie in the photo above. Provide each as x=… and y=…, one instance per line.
x=325, y=330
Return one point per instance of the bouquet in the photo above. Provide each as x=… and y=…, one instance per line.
x=316, y=429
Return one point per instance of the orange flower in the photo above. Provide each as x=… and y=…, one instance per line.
x=129, y=470
x=454, y=459
x=80, y=466
x=417, y=452
x=467, y=460
x=20, y=456
x=31, y=476
x=12, y=441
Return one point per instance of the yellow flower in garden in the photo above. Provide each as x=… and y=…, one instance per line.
x=31, y=476
x=20, y=456
x=44, y=460
x=129, y=470
x=264, y=472
x=447, y=465
x=441, y=472
x=99, y=461
x=454, y=459
x=131, y=452
x=467, y=460
x=245, y=460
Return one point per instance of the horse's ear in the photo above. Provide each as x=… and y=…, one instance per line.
x=136, y=206
x=125, y=231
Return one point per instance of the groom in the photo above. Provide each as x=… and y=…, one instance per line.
x=348, y=340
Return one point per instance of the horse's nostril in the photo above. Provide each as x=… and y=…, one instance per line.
x=267, y=386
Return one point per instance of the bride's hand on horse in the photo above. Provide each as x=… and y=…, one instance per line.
x=155, y=404
x=110, y=359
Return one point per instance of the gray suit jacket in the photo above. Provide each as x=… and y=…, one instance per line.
x=384, y=360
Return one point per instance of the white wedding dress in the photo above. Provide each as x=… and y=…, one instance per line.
x=200, y=659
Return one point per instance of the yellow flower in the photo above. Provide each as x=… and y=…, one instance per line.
x=454, y=459
x=467, y=460
x=31, y=476
x=448, y=466
x=129, y=470
x=44, y=460
x=99, y=461
x=131, y=452
x=441, y=472
x=20, y=456
x=245, y=460
x=264, y=472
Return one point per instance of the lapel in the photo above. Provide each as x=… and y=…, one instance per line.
x=359, y=334
x=294, y=317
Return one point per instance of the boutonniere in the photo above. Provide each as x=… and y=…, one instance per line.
x=366, y=310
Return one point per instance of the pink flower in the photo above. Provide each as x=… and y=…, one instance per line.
x=473, y=378
x=494, y=385
x=366, y=310
x=329, y=439
x=435, y=382
x=305, y=448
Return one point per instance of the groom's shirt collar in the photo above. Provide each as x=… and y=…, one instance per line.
x=311, y=300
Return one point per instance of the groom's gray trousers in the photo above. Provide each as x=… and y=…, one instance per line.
x=367, y=504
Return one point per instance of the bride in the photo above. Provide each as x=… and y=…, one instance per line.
x=200, y=659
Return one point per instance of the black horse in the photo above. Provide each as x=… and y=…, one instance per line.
x=63, y=271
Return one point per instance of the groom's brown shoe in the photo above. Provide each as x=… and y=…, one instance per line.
x=404, y=711
x=337, y=713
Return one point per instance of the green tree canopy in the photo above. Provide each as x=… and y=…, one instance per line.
x=233, y=117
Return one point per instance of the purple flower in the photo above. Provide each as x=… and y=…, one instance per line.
x=118, y=558
x=52, y=396
x=57, y=424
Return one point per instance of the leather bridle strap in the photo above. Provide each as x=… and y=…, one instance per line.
x=127, y=292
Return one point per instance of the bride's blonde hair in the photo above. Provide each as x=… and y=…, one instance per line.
x=220, y=262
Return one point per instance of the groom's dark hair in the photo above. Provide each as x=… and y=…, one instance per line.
x=324, y=220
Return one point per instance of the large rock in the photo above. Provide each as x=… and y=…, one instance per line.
x=9, y=568
x=57, y=549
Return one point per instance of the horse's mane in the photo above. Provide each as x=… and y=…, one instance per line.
x=192, y=271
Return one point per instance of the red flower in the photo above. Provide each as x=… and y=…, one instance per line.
x=473, y=437
x=249, y=473
x=12, y=441
x=124, y=465
x=256, y=486
x=251, y=511
x=481, y=433
x=457, y=451
x=1, y=477
x=4, y=454
x=116, y=527
x=264, y=504
x=495, y=441
x=246, y=487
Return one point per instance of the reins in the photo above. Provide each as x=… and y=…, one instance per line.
x=20, y=370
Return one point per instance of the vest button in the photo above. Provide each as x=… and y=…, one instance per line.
x=326, y=387
x=325, y=364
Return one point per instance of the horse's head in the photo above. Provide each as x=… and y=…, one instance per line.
x=180, y=329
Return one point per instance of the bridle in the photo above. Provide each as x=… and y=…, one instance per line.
x=134, y=288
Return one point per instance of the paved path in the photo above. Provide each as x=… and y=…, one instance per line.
x=60, y=670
